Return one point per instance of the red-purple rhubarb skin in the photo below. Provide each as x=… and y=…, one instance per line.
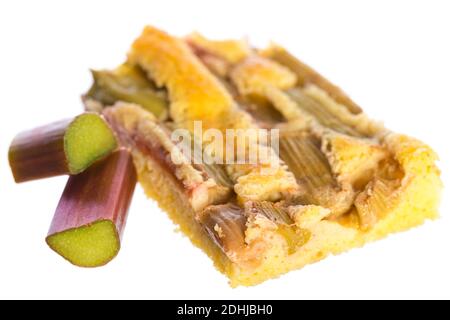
x=102, y=192
x=39, y=153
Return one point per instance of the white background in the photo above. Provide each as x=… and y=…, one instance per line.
x=393, y=57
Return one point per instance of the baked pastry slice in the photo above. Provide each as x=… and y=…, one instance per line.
x=338, y=180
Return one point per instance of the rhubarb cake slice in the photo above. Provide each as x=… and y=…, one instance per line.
x=336, y=180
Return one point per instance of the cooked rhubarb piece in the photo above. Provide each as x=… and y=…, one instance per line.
x=243, y=233
x=294, y=236
x=127, y=83
x=306, y=75
x=91, y=215
x=303, y=155
x=340, y=179
x=199, y=184
x=65, y=147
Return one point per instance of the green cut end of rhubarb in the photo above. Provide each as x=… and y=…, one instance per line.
x=87, y=246
x=88, y=139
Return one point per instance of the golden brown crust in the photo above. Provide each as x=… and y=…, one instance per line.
x=232, y=51
x=255, y=74
x=353, y=159
x=193, y=91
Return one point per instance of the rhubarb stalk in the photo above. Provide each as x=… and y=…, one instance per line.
x=91, y=215
x=64, y=147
